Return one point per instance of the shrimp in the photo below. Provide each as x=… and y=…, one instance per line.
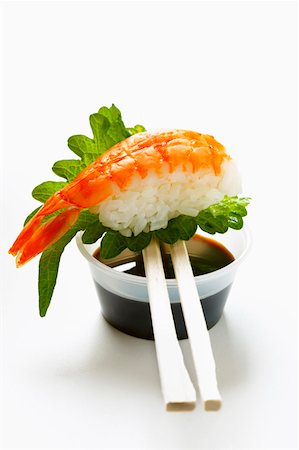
x=138, y=154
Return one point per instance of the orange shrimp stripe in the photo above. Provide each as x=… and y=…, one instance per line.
x=139, y=154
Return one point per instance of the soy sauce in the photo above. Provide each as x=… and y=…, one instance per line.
x=205, y=254
x=133, y=317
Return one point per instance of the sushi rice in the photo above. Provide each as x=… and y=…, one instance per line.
x=149, y=203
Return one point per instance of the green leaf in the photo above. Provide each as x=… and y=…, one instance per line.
x=50, y=259
x=100, y=125
x=139, y=242
x=88, y=158
x=117, y=130
x=112, y=244
x=136, y=129
x=235, y=221
x=93, y=232
x=108, y=129
x=207, y=227
x=186, y=226
x=181, y=227
x=81, y=145
x=47, y=276
x=225, y=214
x=44, y=190
x=170, y=234
x=113, y=114
x=68, y=168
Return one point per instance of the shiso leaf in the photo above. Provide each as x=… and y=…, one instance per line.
x=68, y=168
x=100, y=125
x=225, y=214
x=181, y=227
x=108, y=129
x=50, y=259
x=44, y=190
x=235, y=221
x=112, y=244
x=170, y=234
x=138, y=243
x=137, y=129
x=94, y=231
x=117, y=130
x=82, y=145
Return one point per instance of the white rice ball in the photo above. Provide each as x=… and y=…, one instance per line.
x=149, y=203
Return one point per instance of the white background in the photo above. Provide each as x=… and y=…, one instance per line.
x=228, y=69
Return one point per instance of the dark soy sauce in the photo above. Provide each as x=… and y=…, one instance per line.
x=133, y=317
x=205, y=254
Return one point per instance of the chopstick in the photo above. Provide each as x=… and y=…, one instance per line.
x=196, y=327
x=177, y=388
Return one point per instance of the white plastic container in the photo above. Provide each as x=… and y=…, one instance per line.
x=124, y=298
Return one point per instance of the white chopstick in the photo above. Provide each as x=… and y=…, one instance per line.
x=196, y=327
x=177, y=388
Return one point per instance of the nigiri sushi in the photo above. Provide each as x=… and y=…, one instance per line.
x=138, y=185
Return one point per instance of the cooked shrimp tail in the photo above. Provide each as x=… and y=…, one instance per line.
x=37, y=236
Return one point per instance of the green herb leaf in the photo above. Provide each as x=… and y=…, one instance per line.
x=136, y=129
x=68, y=168
x=170, y=234
x=186, y=227
x=117, y=130
x=100, y=125
x=50, y=259
x=108, y=129
x=235, y=221
x=181, y=227
x=138, y=243
x=81, y=145
x=44, y=190
x=93, y=232
x=47, y=276
x=112, y=244
x=225, y=214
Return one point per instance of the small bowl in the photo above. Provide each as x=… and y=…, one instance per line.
x=124, y=298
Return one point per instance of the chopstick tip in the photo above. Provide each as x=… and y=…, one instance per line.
x=212, y=405
x=180, y=406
